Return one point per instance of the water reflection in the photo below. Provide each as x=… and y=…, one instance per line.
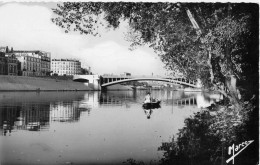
x=32, y=117
x=148, y=113
x=108, y=127
x=66, y=111
x=110, y=99
x=36, y=113
x=90, y=100
x=198, y=99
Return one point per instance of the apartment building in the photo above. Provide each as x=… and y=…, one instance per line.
x=65, y=67
x=45, y=63
x=12, y=64
x=34, y=63
x=9, y=65
x=2, y=63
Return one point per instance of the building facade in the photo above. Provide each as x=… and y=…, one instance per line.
x=65, y=67
x=34, y=63
x=9, y=65
x=12, y=64
x=45, y=63
x=24, y=63
x=2, y=63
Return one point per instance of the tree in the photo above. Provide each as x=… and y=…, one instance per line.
x=208, y=41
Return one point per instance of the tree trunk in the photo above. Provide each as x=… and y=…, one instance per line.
x=231, y=81
x=233, y=92
x=210, y=66
x=199, y=32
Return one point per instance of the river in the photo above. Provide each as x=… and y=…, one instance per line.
x=91, y=127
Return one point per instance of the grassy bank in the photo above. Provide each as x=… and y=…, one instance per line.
x=22, y=83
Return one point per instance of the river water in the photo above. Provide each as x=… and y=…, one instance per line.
x=91, y=127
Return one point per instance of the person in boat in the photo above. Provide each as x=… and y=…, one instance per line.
x=147, y=98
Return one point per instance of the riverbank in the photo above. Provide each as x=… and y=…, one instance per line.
x=23, y=83
x=17, y=98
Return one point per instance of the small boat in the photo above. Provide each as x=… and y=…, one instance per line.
x=152, y=105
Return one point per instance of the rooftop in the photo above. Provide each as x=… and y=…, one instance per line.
x=29, y=51
x=65, y=60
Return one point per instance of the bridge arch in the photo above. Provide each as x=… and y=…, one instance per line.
x=149, y=79
x=82, y=80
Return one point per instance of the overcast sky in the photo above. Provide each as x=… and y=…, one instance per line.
x=28, y=26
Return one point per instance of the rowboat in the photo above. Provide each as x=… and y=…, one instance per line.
x=152, y=105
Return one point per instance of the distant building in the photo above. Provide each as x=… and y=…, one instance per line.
x=8, y=62
x=45, y=63
x=65, y=67
x=127, y=74
x=123, y=74
x=24, y=63
x=86, y=71
x=3, y=49
x=34, y=63
x=2, y=63
x=11, y=64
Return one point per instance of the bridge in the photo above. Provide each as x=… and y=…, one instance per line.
x=103, y=81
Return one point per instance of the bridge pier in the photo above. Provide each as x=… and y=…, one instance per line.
x=93, y=81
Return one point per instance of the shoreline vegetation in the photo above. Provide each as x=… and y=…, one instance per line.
x=207, y=134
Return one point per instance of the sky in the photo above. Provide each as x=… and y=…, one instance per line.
x=28, y=26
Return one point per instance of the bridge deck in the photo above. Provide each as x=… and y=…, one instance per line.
x=149, y=79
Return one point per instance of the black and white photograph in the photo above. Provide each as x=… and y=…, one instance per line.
x=129, y=82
